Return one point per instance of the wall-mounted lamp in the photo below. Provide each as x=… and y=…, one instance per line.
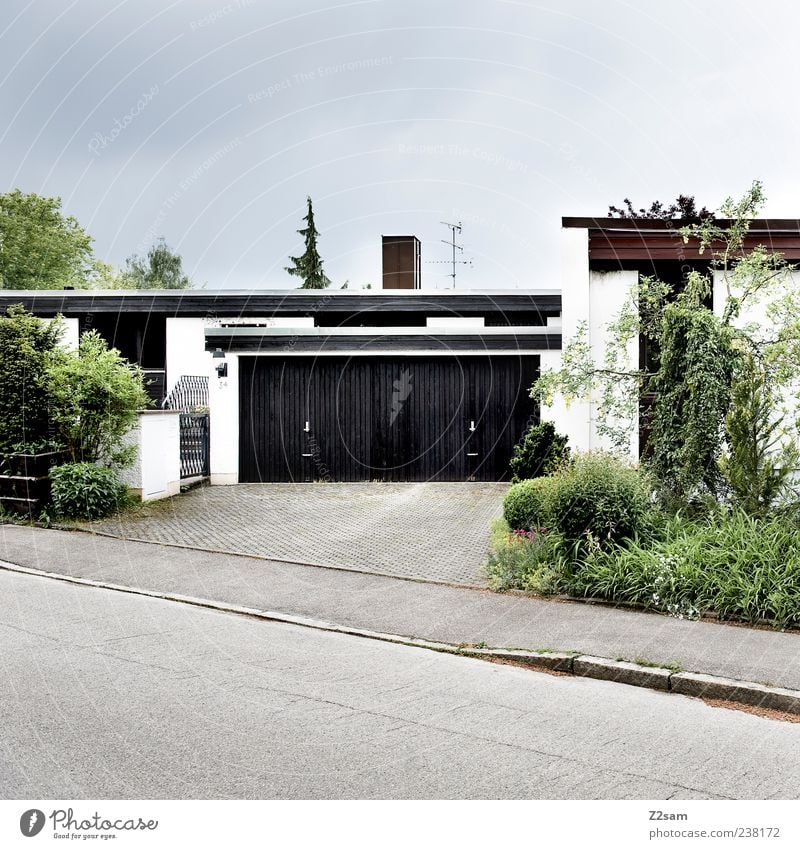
x=222, y=368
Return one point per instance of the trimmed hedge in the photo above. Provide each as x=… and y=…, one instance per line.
x=595, y=495
x=527, y=504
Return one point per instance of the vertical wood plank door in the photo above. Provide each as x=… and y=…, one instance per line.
x=382, y=418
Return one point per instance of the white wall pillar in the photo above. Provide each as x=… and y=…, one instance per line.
x=224, y=405
x=156, y=473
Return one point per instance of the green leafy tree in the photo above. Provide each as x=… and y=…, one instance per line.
x=27, y=348
x=40, y=247
x=309, y=265
x=761, y=458
x=162, y=268
x=97, y=395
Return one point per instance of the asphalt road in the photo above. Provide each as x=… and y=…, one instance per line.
x=109, y=695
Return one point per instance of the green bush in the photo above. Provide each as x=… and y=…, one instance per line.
x=601, y=497
x=540, y=452
x=97, y=394
x=736, y=566
x=524, y=560
x=27, y=346
x=527, y=504
x=86, y=491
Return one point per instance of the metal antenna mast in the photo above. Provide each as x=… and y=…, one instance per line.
x=454, y=228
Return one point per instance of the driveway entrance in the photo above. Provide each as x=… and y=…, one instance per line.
x=431, y=531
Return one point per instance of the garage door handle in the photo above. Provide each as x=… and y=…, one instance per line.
x=472, y=426
x=473, y=454
x=306, y=429
x=306, y=455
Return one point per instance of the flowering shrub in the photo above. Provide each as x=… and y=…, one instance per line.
x=524, y=559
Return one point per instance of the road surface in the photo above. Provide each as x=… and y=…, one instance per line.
x=111, y=695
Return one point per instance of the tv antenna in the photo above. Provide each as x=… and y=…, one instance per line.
x=454, y=228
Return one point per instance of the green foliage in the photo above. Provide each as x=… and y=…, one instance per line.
x=309, y=265
x=762, y=458
x=86, y=491
x=684, y=206
x=697, y=361
x=27, y=349
x=97, y=396
x=734, y=565
x=524, y=561
x=160, y=269
x=601, y=497
x=40, y=247
x=597, y=496
x=527, y=504
x=540, y=451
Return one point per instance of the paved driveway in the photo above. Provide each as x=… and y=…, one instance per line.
x=433, y=531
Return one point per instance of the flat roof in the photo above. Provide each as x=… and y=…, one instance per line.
x=234, y=302
x=604, y=222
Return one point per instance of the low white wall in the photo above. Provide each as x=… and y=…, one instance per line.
x=156, y=472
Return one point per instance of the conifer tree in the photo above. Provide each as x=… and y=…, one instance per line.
x=309, y=265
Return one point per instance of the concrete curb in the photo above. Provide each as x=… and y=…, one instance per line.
x=572, y=663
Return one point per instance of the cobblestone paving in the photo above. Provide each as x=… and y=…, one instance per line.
x=432, y=531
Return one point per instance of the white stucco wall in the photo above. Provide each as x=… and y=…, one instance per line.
x=608, y=292
x=574, y=420
x=186, y=354
x=595, y=298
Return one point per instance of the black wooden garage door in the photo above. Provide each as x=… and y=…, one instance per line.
x=382, y=418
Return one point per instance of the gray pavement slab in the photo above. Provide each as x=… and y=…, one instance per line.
x=431, y=531
x=412, y=609
x=221, y=706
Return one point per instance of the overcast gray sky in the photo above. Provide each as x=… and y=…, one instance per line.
x=209, y=122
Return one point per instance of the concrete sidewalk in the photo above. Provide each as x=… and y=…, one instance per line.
x=412, y=609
